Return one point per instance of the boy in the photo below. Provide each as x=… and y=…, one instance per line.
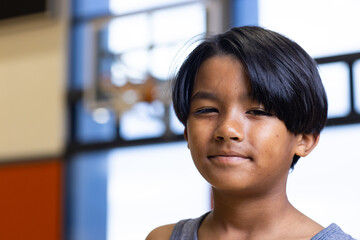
x=252, y=104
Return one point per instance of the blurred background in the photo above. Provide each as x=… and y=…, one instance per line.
x=90, y=147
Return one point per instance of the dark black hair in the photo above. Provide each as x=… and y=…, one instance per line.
x=283, y=77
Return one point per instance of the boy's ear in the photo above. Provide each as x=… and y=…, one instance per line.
x=306, y=143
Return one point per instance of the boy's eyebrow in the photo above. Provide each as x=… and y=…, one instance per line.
x=203, y=95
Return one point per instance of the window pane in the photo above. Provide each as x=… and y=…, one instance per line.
x=149, y=187
x=335, y=77
x=165, y=58
x=144, y=120
x=175, y=125
x=171, y=25
x=162, y=58
x=357, y=85
x=129, y=33
x=134, y=64
x=321, y=27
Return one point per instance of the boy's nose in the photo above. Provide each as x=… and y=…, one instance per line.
x=229, y=129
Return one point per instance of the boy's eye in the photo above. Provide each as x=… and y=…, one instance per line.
x=206, y=110
x=259, y=112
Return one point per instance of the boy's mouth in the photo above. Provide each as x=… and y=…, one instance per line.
x=228, y=157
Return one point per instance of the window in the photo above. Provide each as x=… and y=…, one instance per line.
x=335, y=77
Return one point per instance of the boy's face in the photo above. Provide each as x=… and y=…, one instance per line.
x=235, y=144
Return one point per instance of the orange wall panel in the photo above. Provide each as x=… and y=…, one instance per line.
x=31, y=200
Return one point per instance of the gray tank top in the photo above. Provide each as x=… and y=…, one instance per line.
x=187, y=230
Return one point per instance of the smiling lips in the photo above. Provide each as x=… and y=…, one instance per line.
x=228, y=158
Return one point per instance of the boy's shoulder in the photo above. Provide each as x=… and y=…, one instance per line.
x=161, y=233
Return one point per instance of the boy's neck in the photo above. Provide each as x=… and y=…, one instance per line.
x=231, y=210
x=242, y=217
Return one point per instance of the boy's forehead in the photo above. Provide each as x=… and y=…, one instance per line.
x=218, y=72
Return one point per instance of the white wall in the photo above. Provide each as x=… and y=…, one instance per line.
x=33, y=52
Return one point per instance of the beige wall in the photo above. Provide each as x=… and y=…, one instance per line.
x=33, y=72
